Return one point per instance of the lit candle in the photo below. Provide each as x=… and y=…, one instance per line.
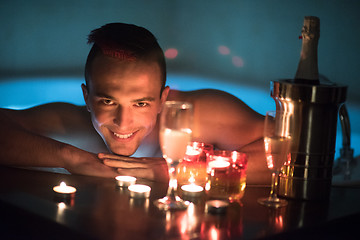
x=220, y=162
x=192, y=151
x=125, y=181
x=192, y=190
x=216, y=206
x=192, y=154
x=60, y=212
x=139, y=191
x=64, y=190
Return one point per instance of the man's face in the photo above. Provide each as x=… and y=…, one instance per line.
x=124, y=100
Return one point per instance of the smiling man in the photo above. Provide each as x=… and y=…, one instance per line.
x=125, y=90
x=124, y=114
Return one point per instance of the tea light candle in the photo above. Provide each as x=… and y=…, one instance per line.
x=192, y=154
x=125, y=181
x=219, y=163
x=191, y=151
x=64, y=190
x=192, y=190
x=216, y=206
x=139, y=191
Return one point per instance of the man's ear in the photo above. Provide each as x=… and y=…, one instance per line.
x=86, y=96
x=164, y=96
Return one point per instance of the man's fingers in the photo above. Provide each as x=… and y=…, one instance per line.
x=123, y=164
x=118, y=157
x=139, y=173
x=131, y=160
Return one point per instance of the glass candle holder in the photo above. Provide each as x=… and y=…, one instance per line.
x=226, y=175
x=192, y=170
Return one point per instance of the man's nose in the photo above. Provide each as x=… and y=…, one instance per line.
x=123, y=116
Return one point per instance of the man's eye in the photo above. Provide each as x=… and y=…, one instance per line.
x=141, y=104
x=107, y=102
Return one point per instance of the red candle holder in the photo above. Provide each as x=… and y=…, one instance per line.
x=226, y=175
x=192, y=170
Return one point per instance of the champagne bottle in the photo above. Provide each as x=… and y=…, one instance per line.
x=307, y=71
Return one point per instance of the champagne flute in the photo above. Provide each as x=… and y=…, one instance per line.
x=277, y=141
x=175, y=135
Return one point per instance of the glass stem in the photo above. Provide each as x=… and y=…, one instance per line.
x=274, y=184
x=171, y=193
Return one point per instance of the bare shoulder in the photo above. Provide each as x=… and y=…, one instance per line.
x=214, y=101
x=196, y=96
x=221, y=118
x=51, y=117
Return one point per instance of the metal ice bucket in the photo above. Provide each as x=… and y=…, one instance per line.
x=315, y=110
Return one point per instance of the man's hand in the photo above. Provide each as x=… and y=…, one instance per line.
x=78, y=161
x=154, y=169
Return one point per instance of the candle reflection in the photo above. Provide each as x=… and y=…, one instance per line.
x=140, y=203
x=168, y=220
x=60, y=212
x=227, y=225
x=190, y=221
x=214, y=233
x=276, y=220
x=214, y=227
x=184, y=224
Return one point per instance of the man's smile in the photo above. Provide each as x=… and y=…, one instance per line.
x=123, y=137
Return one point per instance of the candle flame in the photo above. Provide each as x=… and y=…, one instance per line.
x=191, y=179
x=63, y=188
x=61, y=205
x=191, y=151
x=207, y=186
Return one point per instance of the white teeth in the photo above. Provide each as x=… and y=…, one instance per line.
x=123, y=136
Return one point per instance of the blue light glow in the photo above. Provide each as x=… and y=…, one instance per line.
x=29, y=92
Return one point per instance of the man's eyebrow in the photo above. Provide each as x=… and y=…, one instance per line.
x=144, y=99
x=102, y=95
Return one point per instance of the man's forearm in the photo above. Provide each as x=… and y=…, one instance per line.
x=257, y=171
x=20, y=147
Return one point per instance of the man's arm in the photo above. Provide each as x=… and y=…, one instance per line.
x=257, y=172
x=24, y=140
x=151, y=168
